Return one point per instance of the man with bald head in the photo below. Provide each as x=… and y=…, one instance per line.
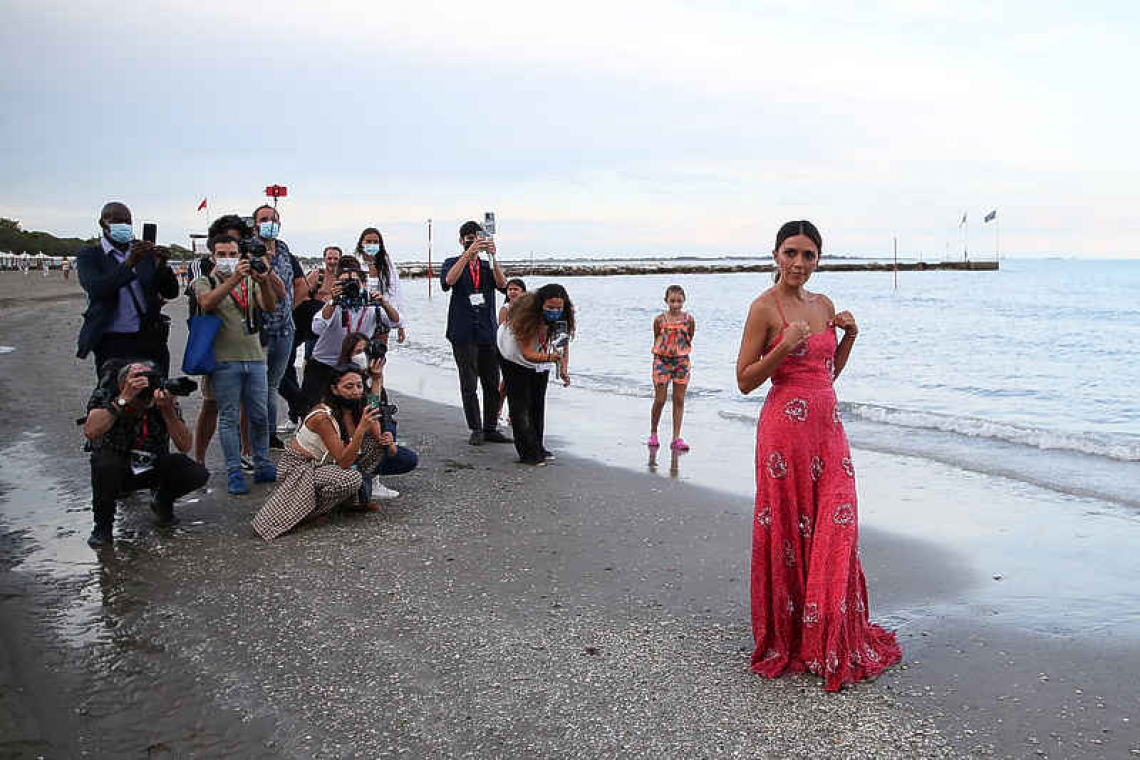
x=125, y=280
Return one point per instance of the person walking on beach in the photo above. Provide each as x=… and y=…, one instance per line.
x=471, y=328
x=534, y=339
x=809, y=596
x=672, y=342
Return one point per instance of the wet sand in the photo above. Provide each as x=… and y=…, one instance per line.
x=494, y=611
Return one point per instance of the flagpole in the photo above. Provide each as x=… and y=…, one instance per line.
x=429, y=273
x=997, y=238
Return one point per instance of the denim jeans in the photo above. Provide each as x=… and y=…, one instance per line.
x=404, y=460
x=238, y=384
x=278, y=355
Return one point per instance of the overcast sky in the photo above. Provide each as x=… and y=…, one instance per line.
x=615, y=128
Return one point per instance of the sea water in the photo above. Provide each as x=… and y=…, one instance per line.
x=1027, y=372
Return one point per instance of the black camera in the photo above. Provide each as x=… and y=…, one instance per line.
x=251, y=247
x=256, y=264
x=376, y=349
x=387, y=411
x=352, y=296
x=176, y=386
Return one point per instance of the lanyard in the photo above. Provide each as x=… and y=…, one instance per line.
x=359, y=320
x=140, y=440
x=476, y=273
x=242, y=302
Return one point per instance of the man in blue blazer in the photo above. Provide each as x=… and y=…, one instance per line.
x=126, y=281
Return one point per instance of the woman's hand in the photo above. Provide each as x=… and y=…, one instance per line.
x=334, y=291
x=401, y=335
x=368, y=420
x=795, y=334
x=376, y=370
x=563, y=372
x=845, y=322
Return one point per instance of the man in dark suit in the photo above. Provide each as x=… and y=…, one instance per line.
x=125, y=280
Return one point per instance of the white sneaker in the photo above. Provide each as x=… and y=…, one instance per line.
x=380, y=491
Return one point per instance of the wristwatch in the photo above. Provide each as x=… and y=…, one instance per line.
x=118, y=405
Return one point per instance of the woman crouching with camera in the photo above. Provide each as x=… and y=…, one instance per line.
x=318, y=471
x=385, y=457
x=533, y=340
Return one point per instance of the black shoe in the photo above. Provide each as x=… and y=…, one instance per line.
x=494, y=436
x=163, y=512
x=547, y=455
x=100, y=537
x=476, y=438
x=275, y=442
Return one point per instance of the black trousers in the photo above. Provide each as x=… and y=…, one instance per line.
x=130, y=346
x=478, y=365
x=173, y=476
x=526, y=393
x=317, y=377
x=290, y=388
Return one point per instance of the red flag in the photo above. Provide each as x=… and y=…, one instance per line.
x=202, y=205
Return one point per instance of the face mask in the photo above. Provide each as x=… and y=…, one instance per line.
x=361, y=360
x=371, y=249
x=225, y=266
x=120, y=232
x=268, y=230
x=352, y=403
x=552, y=316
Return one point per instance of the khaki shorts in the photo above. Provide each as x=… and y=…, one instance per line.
x=206, y=388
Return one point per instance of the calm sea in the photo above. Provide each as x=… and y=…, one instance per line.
x=1028, y=372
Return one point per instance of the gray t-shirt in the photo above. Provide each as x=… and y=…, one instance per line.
x=234, y=342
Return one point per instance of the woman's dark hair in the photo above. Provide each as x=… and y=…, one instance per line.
x=336, y=403
x=527, y=320
x=791, y=229
x=347, y=264
x=516, y=281
x=348, y=347
x=674, y=289
x=223, y=224
x=381, y=261
x=470, y=228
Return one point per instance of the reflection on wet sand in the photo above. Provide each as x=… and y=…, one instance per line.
x=674, y=460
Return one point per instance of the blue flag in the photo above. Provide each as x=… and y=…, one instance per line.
x=991, y=216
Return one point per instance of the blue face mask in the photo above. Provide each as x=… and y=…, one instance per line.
x=120, y=232
x=371, y=249
x=268, y=230
x=552, y=316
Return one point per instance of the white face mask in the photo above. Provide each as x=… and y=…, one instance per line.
x=225, y=265
x=361, y=360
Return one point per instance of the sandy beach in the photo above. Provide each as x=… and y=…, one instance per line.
x=594, y=608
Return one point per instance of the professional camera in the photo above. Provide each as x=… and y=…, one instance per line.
x=377, y=349
x=176, y=386
x=255, y=263
x=352, y=296
x=251, y=247
x=387, y=411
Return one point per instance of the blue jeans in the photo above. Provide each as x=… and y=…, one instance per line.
x=404, y=460
x=278, y=355
x=238, y=384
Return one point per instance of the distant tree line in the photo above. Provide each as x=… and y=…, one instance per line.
x=15, y=240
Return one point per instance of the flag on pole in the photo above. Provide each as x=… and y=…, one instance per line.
x=991, y=216
x=202, y=205
x=963, y=222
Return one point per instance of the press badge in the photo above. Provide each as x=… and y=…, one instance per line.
x=142, y=461
x=477, y=299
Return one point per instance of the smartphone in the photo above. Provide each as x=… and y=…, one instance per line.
x=489, y=222
x=150, y=232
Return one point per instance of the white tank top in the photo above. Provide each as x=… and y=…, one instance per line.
x=311, y=441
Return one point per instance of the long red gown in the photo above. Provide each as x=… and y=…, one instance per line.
x=809, y=596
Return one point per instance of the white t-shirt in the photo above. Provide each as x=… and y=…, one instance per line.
x=331, y=332
x=510, y=349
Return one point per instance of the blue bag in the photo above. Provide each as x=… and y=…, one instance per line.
x=199, y=356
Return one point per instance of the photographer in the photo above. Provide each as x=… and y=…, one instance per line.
x=234, y=291
x=350, y=308
x=125, y=281
x=382, y=456
x=130, y=422
x=370, y=248
x=536, y=336
x=317, y=468
x=471, y=329
x=288, y=282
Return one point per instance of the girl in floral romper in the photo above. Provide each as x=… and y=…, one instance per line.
x=672, y=342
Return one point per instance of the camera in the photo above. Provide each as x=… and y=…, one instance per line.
x=559, y=336
x=387, y=411
x=352, y=296
x=377, y=349
x=253, y=249
x=176, y=386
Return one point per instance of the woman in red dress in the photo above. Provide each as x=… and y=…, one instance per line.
x=809, y=597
